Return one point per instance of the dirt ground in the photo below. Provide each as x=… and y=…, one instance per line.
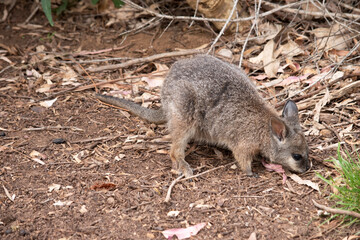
x=102, y=174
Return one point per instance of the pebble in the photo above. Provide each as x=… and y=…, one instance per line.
x=110, y=200
x=58, y=140
x=2, y=134
x=225, y=53
x=8, y=231
x=23, y=232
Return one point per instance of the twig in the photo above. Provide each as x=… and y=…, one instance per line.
x=248, y=36
x=336, y=211
x=32, y=14
x=167, y=198
x=207, y=171
x=52, y=128
x=136, y=206
x=224, y=27
x=145, y=59
x=96, y=139
x=7, y=12
x=212, y=19
x=312, y=13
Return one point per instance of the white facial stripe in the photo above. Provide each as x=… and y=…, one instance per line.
x=292, y=164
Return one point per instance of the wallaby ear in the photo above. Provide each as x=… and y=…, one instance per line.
x=290, y=111
x=278, y=128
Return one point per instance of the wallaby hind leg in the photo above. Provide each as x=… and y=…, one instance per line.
x=180, y=134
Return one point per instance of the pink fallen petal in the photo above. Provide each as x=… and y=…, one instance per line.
x=284, y=178
x=275, y=167
x=182, y=233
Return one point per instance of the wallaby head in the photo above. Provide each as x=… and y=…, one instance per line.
x=289, y=147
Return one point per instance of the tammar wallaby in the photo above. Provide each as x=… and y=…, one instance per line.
x=205, y=99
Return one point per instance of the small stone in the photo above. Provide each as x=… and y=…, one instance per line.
x=8, y=231
x=83, y=209
x=150, y=236
x=2, y=134
x=150, y=133
x=23, y=232
x=326, y=133
x=225, y=53
x=233, y=167
x=110, y=200
x=58, y=140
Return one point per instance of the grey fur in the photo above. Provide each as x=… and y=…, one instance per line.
x=205, y=99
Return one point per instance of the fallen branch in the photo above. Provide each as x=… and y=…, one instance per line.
x=145, y=59
x=314, y=13
x=207, y=171
x=336, y=211
x=107, y=138
x=54, y=128
x=134, y=5
x=179, y=179
x=167, y=198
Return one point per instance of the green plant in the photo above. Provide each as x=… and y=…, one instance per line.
x=46, y=6
x=347, y=184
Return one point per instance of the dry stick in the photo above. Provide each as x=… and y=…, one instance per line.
x=316, y=14
x=145, y=59
x=212, y=19
x=32, y=14
x=52, y=128
x=167, y=198
x=248, y=36
x=128, y=85
x=207, y=171
x=336, y=211
x=224, y=27
x=96, y=139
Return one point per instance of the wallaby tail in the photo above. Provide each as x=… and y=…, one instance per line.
x=151, y=115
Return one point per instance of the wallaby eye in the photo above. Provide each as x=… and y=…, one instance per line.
x=297, y=157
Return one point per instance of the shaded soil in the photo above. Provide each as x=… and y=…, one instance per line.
x=132, y=156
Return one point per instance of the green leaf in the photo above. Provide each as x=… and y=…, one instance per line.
x=94, y=2
x=62, y=7
x=46, y=5
x=118, y=3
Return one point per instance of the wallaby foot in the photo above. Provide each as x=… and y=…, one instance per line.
x=244, y=160
x=181, y=167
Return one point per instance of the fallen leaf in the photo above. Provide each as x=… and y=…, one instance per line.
x=173, y=213
x=252, y=236
x=320, y=104
x=183, y=233
x=271, y=64
x=309, y=183
x=11, y=197
x=53, y=187
x=62, y=203
x=36, y=156
x=48, y=103
x=103, y=186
